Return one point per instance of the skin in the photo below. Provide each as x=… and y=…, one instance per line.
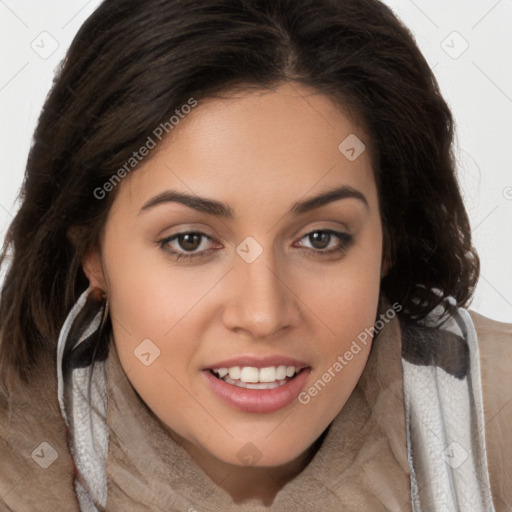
x=258, y=152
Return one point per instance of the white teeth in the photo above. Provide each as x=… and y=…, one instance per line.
x=281, y=372
x=222, y=372
x=251, y=374
x=259, y=385
x=268, y=374
x=234, y=373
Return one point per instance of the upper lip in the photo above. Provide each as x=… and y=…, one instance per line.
x=258, y=362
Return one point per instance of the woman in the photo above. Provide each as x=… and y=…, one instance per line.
x=239, y=274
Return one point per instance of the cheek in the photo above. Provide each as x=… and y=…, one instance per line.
x=345, y=298
x=151, y=300
x=347, y=313
x=345, y=295
x=148, y=296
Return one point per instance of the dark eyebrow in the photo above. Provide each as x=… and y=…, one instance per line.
x=213, y=207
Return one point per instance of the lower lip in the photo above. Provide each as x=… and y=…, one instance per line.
x=258, y=400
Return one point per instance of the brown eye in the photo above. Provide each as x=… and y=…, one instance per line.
x=320, y=240
x=180, y=244
x=189, y=241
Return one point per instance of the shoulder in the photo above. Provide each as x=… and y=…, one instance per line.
x=495, y=346
x=37, y=469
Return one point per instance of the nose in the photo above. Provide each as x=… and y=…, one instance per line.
x=261, y=302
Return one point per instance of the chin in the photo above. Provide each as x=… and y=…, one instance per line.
x=259, y=453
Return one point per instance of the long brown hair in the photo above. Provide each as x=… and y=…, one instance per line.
x=132, y=64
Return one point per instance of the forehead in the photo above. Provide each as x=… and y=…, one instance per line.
x=258, y=147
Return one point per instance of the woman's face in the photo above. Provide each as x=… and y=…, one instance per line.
x=268, y=279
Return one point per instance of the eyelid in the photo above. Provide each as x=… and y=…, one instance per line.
x=166, y=240
x=345, y=239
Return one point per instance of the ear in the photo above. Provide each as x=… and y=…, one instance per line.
x=93, y=269
x=91, y=262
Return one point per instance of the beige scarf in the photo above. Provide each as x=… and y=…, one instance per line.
x=360, y=465
x=410, y=436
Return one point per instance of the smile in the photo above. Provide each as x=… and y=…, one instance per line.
x=257, y=390
x=251, y=377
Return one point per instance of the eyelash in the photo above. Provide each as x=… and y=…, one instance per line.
x=345, y=238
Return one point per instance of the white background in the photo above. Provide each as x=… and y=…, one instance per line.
x=477, y=85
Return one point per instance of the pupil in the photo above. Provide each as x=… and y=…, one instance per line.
x=188, y=244
x=318, y=235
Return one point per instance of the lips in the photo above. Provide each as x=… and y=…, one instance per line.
x=257, y=384
x=257, y=400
